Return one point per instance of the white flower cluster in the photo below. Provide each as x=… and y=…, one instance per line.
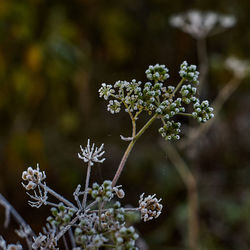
x=149, y=207
x=201, y=24
x=188, y=93
x=91, y=154
x=5, y=246
x=189, y=72
x=157, y=73
x=106, y=91
x=114, y=106
x=157, y=98
x=170, y=130
x=202, y=111
x=33, y=176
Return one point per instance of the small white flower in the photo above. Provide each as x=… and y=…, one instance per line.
x=91, y=154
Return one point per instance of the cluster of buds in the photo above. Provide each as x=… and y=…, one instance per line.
x=202, y=111
x=87, y=225
x=125, y=238
x=155, y=98
x=157, y=73
x=170, y=130
x=88, y=240
x=188, y=93
x=114, y=214
x=149, y=207
x=61, y=216
x=33, y=176
x=103, y=192
x=114, y=106
x=189, y=72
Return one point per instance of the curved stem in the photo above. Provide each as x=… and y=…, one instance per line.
x=129, y=148
x=191, y=186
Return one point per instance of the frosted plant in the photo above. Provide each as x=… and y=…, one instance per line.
x=95, y=219
x=5, y=246
x=91, y=154
x=202, y=24
x=240, y=68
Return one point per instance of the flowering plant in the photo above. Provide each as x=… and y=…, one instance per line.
x=101, y=221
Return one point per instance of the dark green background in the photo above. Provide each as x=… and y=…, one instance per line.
x=53, y=57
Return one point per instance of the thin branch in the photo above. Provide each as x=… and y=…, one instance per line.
x=86, y=186
x=58, y=196
x=128, y=150
x=15, y=214
x=66, y=228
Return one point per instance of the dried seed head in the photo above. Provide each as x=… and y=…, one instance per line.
x=91, y=154
x=150, y=207
x=33, y=176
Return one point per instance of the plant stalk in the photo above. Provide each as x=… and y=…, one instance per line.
x=129, y=148
x=191, y=186
x=86, y=187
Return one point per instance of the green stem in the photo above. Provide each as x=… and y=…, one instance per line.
x=185, y=114
x=129, y=148
x=177, y=87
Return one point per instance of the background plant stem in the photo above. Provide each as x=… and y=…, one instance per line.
x=191, y=186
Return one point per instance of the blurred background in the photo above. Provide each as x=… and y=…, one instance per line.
x=53, y=57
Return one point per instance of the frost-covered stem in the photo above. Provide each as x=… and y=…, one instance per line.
x=130, y=209
x=203, y=62
x=57, y=205
x=191, y=185
x=11, y=210
x=84, y=201
x=122, y=163
x=129, y=148
x=66, y=228
x=91, y=205
x=58, y=196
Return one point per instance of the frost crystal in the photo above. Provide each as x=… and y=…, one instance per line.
x=91, y=154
